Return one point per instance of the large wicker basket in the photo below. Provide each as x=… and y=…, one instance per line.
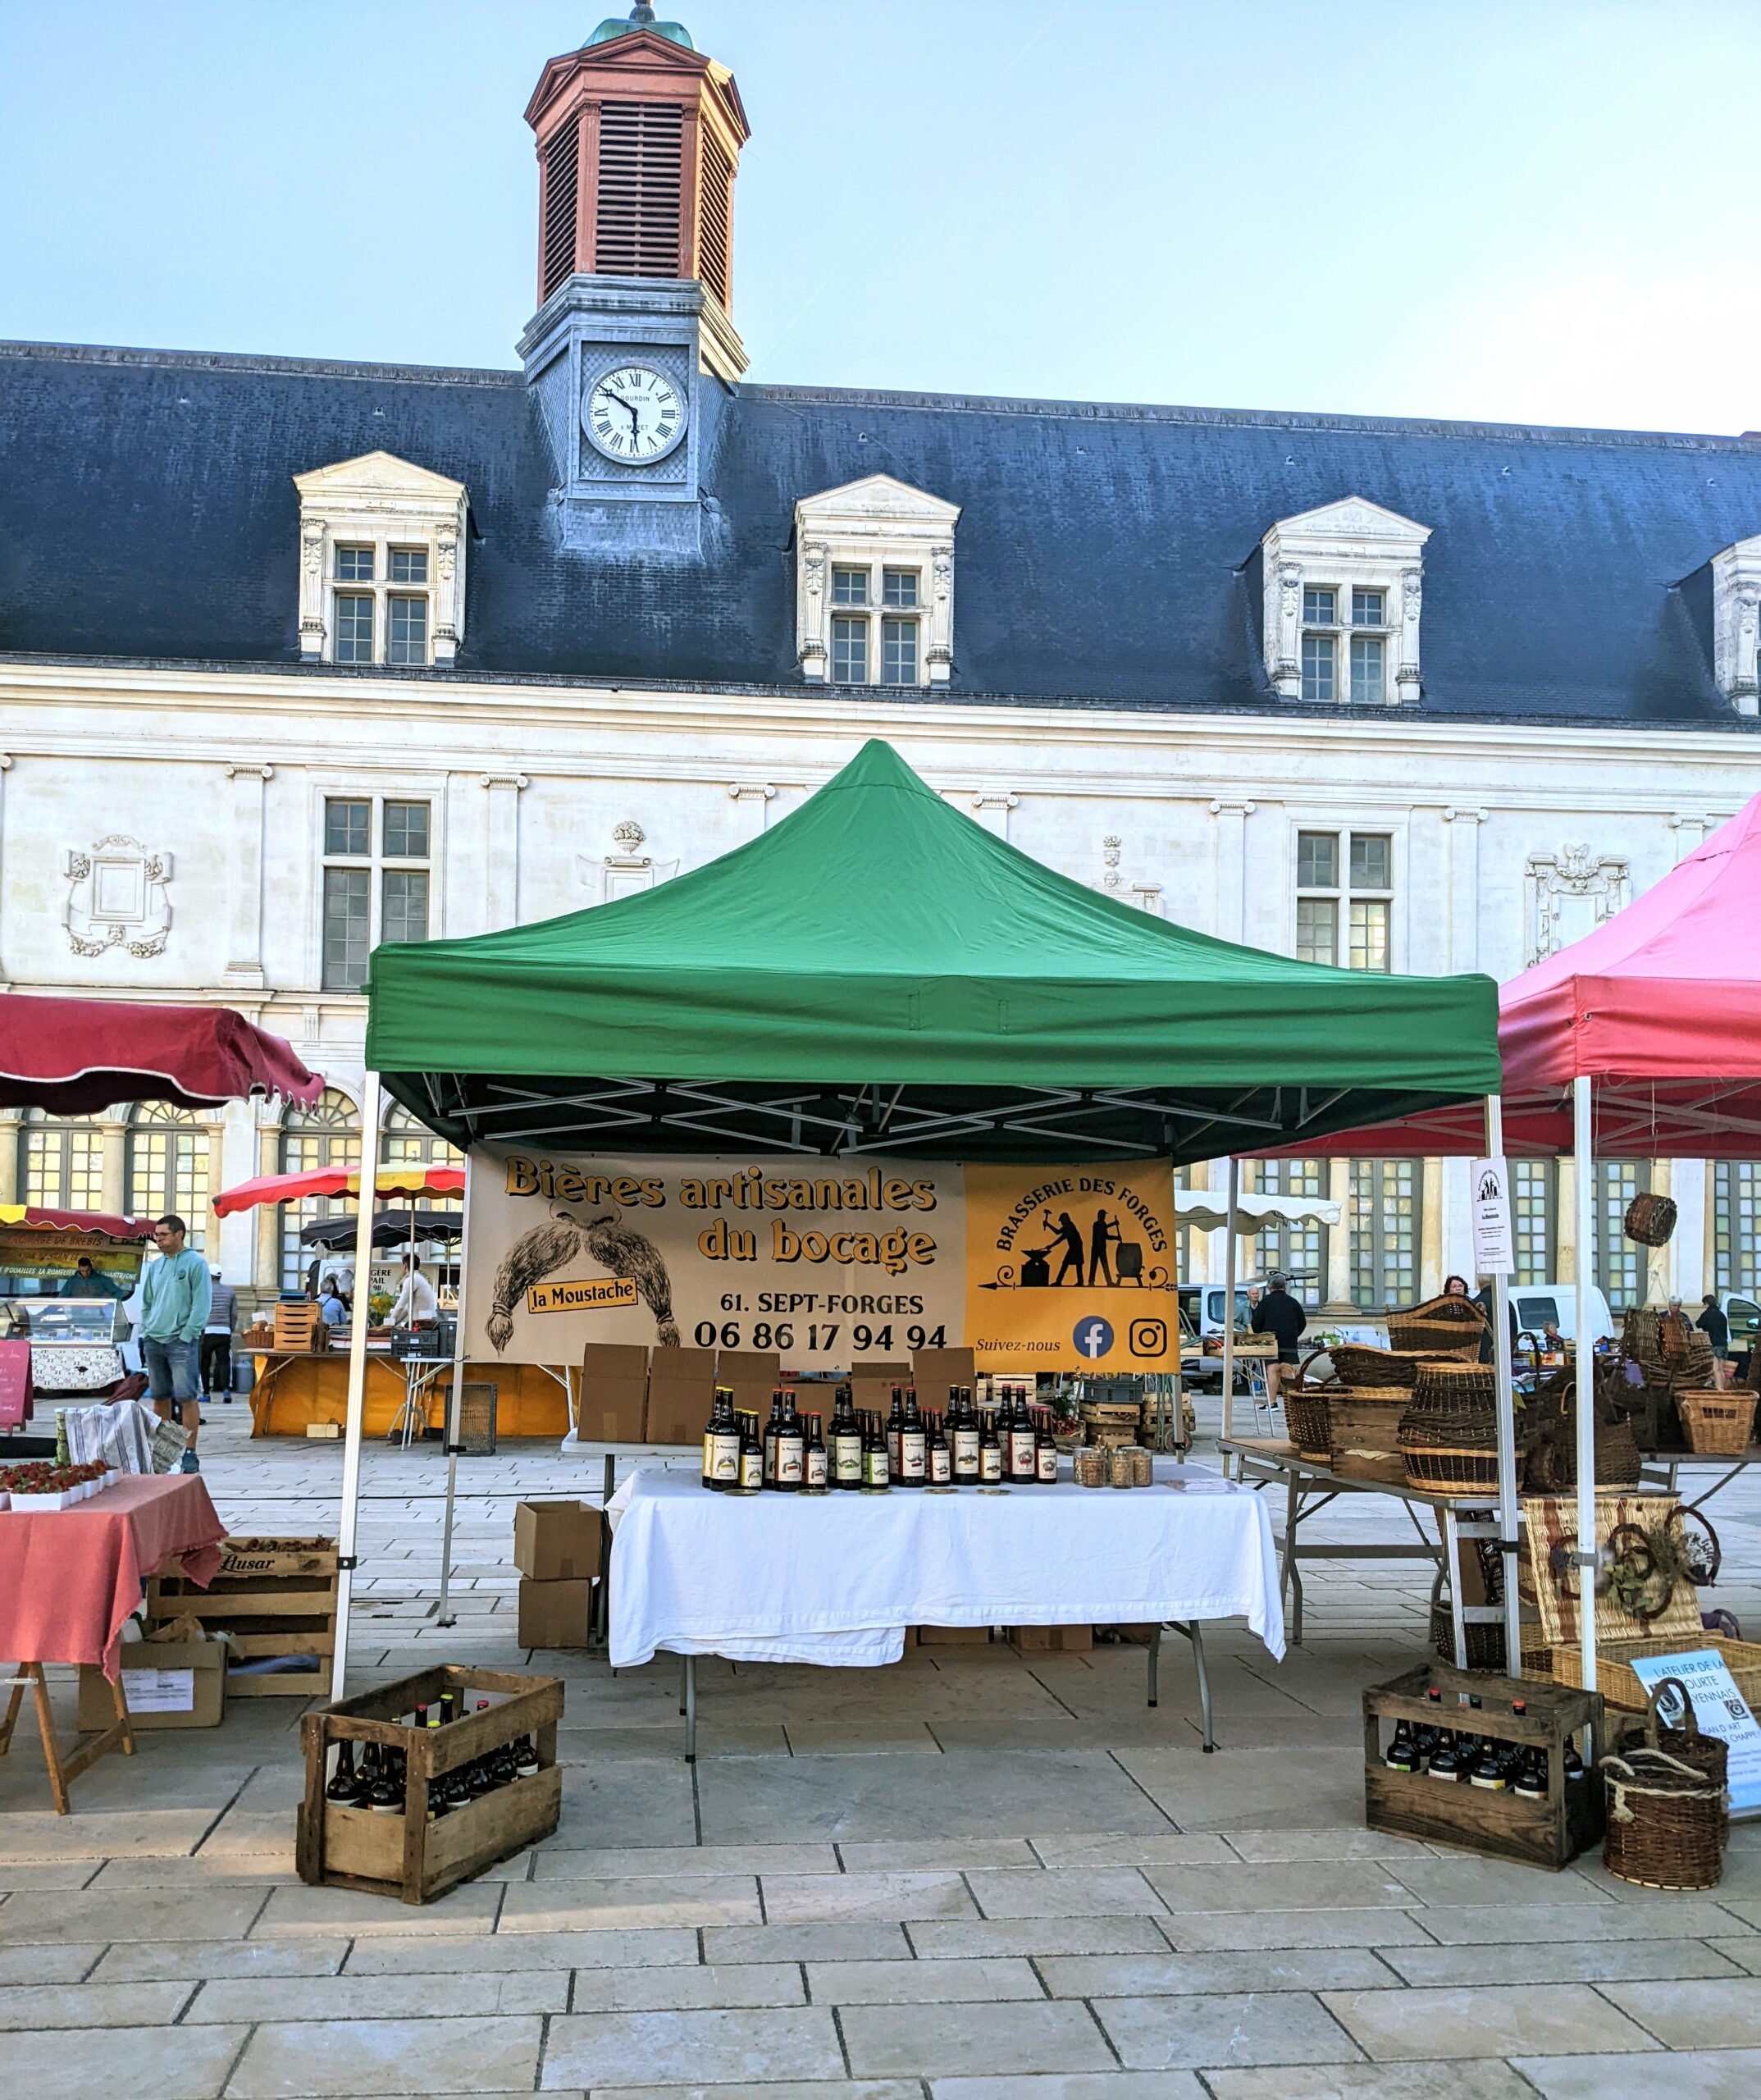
x=1451, y=1386
x=1450, y=1454
x=1668, y=1811
x=1306, y=1423
x=1717, y=1424
x=1650, y=1220
x=1358, y=1364
x=1434, y=1337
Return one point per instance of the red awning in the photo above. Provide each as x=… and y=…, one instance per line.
x=100, y=1224
x=1660, y=1008
x=73, y=1056
x=412, y=1178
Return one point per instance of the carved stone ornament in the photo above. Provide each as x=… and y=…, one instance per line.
x=118, y=897
x=628, y=835
x=1570, y=894
x=1110, y=850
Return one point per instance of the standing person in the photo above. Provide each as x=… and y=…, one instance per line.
x=1279, y=1315
x=416, y=1305
x=1456, y=1287
x=1106, y=1230
x=1068, y=1235
x=1717, y=1329
x=176, y=1291
x=1487, y=1302
x=216, y=1337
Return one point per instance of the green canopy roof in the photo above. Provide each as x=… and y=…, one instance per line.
x=879, y=973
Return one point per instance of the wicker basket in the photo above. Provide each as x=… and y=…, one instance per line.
x=1358, y=1364
x=1650, y=1220
x=1444, y=1456
x=1485, y=1644
x=1668, y=1812
x=1451, y=1338
x=1306, y=1424
x=1455, y=1387
x=1717, y=1425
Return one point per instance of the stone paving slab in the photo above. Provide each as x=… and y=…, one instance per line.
x=1544, y=2019
x=669, y=2048
x=968, y=2040
x=341, y=2059
x=1712, y=2075
x=164, y=2063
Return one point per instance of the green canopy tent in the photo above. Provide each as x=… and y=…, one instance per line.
x=878, y=972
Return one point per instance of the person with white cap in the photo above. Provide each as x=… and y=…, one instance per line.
x=216, y=1339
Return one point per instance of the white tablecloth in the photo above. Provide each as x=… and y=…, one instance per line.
x=837, y=1578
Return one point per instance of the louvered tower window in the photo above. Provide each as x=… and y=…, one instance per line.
x=638, y=230
x=715, y=210
x=560, y=183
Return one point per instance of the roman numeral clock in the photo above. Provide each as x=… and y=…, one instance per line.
x=633, y=414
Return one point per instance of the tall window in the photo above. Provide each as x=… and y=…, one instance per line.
x=1736, y=1225
x=378, y=615
x=1344, y=897
x=1620, y=1262
x=328, y=1134
x=375, y=881
x=1535, y=1185
x=61, y=1163
x=1342, y=660
x=876, y=621
x=1384, y=1233
x=404, y=1140
x=169, y=1166
x=1300, y=1250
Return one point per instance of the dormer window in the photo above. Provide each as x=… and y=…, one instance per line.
x=1343, y=592
x=874, y=596
x=1736, y=623
x=382, y=565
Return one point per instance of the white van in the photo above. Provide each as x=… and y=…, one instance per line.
x=1535, y=1303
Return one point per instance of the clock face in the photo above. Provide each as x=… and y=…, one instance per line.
x=635, y=414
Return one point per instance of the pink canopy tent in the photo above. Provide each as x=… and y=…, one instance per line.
x=1643, y=1038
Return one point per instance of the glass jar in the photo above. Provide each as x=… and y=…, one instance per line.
x=1143, y=1466
x=1089, y=1463
x=1119, y=1465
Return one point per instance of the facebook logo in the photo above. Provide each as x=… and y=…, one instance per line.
x=1093, y=1338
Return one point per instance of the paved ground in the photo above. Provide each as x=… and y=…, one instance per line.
x=970, y=1876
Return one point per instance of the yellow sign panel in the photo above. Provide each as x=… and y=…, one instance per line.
x=1071, y=1268
x=592, y=1294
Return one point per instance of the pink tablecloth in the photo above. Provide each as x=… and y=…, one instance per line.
x=70, y=1578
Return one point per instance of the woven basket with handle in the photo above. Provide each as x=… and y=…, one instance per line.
x=1668, y=1811
x=1650, y=1220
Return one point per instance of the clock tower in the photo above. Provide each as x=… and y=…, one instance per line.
x=633, y=350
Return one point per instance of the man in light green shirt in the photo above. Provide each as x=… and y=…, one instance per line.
x=176, y=1292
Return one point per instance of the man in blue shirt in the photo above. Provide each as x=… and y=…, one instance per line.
x=176, y=1292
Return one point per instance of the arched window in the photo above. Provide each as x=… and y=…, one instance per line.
x=328, y=1134
x=60, y=1162
x=169, y=1158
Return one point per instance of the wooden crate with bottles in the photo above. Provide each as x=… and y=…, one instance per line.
x=1486, y=1763
x=460, y=1770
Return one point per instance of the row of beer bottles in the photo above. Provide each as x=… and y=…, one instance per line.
x=962, y=1446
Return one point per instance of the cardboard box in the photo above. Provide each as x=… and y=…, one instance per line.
x=681, y=1392
x=554, y=1614
x=614, y=1398
x=755, y=1374
x=1053, y=1640
x=557, y=1542
x=169, y=1684
x=935, y=1369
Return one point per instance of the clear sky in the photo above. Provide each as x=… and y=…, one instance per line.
x=1525, y=210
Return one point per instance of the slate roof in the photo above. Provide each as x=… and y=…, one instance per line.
x=1106, y=555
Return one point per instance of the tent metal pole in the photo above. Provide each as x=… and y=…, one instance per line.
x=1229, y=1302
x=357, y=1318
x=1507, y=1531
x=1584, y=1170
x=455, y=1400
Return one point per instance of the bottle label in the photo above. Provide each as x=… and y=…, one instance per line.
x=1022, y=1462
x=966, y=1450
x=912, y=1455
x=789, y=1466
x=770, y=1460
x=816, y=1467
x=846, y=1457
x=941, y=1468
x=990, y=1463
x=874, y=1469
x=725, y=1455
x=1046, y=1463
x=751, y=1469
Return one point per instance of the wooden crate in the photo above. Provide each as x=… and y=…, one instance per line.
x=272, y=1597
x=406, y=1856
x=1362, y=1426
x=1547, y=1833
x=299, y=1326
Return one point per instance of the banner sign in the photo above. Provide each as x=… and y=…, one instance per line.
x=831, y=1263
x=1494, y=1241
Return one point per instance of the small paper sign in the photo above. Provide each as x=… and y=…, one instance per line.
x=592, y=1294
x=1494, y=1245
x=1721, y=1710
x=160, y=1691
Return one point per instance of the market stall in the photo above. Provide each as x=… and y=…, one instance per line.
x=73, y=1562
x=879, y=976
x=1643, y=1037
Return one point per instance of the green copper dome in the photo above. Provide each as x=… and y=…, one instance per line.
x=641, y=17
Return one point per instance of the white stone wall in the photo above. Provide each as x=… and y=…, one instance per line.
x=534, y=789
